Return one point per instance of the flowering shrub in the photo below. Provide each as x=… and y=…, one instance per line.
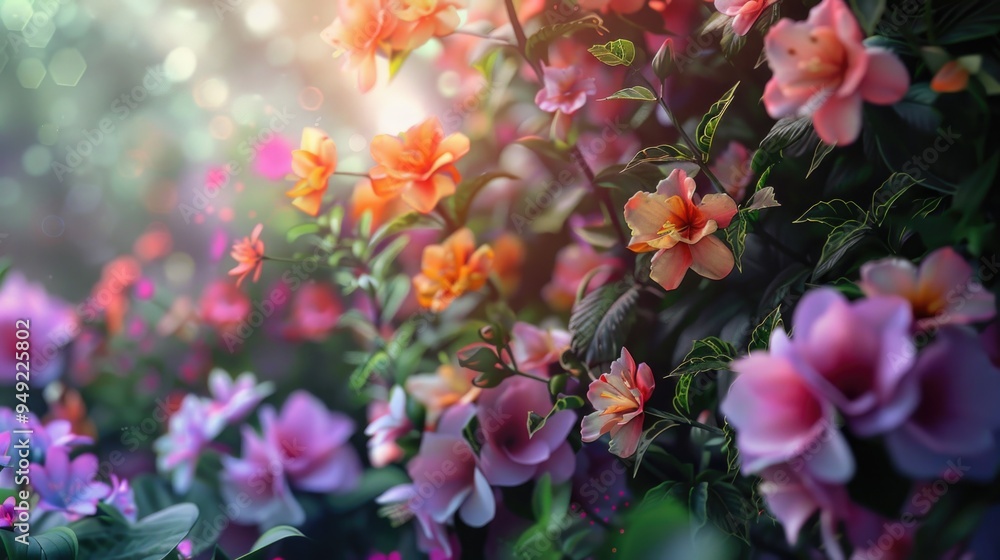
x=487, y=344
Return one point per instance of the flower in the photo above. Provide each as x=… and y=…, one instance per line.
x=8, y=517
x=178, y=451
x=564, y=90
x=362, y=30
x=793, y=497
x=387, y=422
x=573, y=264
x=619, y=398
x=68, y=486
x=508, y=261
x=419, y=165
x=232, y=400
x=52, y=326
x=273, y=158
x=258, y=484
x=732, y=167
x=618, y=6
x=956, y=416
x=223, y=306
x=822, y=68
x=315, y=311
x=419, y=20
x=249, y=253
x=122, y=497
x=364, y=199
x=312, y=444
x=402, y=503
x=940, y=292
x=535, y=349
x=743, y=12
x=950, y=78
x=510, y=456
x=313, y=163
x=451, y=269
x=111, y=292
x=448, y=386
x=673, y=222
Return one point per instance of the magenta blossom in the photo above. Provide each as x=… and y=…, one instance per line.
x=273, y=158
x=233, y=399
x=743, y=12
x=824, y=70
x=312, y=443
x=793, y=497
x=122, y=497
x=957, y=415
x=257, y=483
x=68, y=487
x=619, y=399
x=535, y=349
x=387, y=423
x=52, y=325
x=188, y=432
x=8, y=517
x=564, y=90
x=510, y=456
x=942, y=291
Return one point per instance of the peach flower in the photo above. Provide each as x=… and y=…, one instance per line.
x=249, y=254
x=564, y=90
x=951, y=78
x=313, y=163
x=448, y=386
x=673, y=222
x=419, y=165
x=822, y=68
x=419, y=20
x=452, y=269
x=619, y=398
x=383, y=210
x=743, y=12
x=362, y=30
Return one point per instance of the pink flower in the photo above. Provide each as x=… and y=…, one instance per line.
x=232, y=400
x=535, y=349
x=957, y=415
x=780, y=419
x=793, y=497
x=249, y=256
x=68, y=486
x=743, y=12
x=822, y=68
x=53, y=324
x=224, y=306
x=273, y=159
x=678, y=225
x=940, y=292
x=732, y=167
x=573, y=263
x=312, y=443
x=315, y=311
x=8, y=517
x=188, y=432
x=619, y=399
x=257, y=483
x=509, y=455
x=449, y=385
x=564, y=90
x=387, y=423
x=122, y=497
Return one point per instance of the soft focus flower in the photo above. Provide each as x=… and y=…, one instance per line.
x=419, y=165
x=941, y=291
x=793, y=497
x=315, y=311
x=452, y=269
x=109, y=296
x=178, y=451
x=732, y=167
x=950, y=78
x=509, y=455
x=535, y=349
x=855, y=355
x=387, y=422
x=122, y=497
x=617, y=6
x=402, y=503
x=6, y=473
x=449, y=385
x=419, y=20
x=573, y=263
x=259, y=478
x=362, y=30
x=249, y=254
x=822, y=68
x=312, y=443
x=564, y=90
x=382, y=209
x=68, y=486
x=743, y=12
x=233, y=399
x=679, y=226
x=8, y=517
x=957, y=415
x=273, y=158
x=313, y=163
x=508, y=260
x=154, y=243
x=223, y=306
x=52, y=326
x=619, y=398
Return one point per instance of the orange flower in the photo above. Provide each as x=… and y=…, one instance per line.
x=419, y=20
x=951, y=78
x=450, y=385
x=313, y=164
x=452, y=269
x=383, y=210
x=249, y=253
x=362, y=30
x=679, y=226
x=508, y=259
x=418, y=165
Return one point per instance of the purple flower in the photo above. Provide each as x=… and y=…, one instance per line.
x=178, y=450
x=535, y=349
x=509, y=455
x=66, y=486
x=7, y=514
x=957, y=414
x=312, y=443
x=388, y=422
x=432, y=536
x=793, y=497
x=122, y=497
x=233, y=400
x=258, y=487
x=564, y=90
x=53, y=325
x=6, y=473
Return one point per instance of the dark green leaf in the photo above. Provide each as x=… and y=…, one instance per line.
x=822, y=150
x=681, y=392
x=698, y=504
x=710, y=122
x=783, y=134
x=620, y=52
x=467, y=190
x=707, y=354
x=762, y=333
x=537, y=45
x=153, y=537
x=635, y=93
x=833, y=213
x=377, y=363
x=59, y=543
x=300, y=230
x=736, y=235
x=541, y=498
x=410, y=220
x=601, y=320
x=220, y=554
x=648, y=436
x=270, y=537
x=491, y=370
x=660, y=154
x=869, y=13
x=838, y=243
x=886, y=196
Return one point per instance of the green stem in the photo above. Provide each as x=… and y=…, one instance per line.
x=351, y=174
x=683, y=420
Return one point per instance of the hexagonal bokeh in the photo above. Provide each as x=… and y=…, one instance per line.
x=40, y=31
x=67, y=67
x=15, y=14
x=30, y=72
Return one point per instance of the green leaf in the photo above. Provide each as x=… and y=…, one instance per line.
x=822, y=150
x=270, y=537
x=58, y=543
x=377, y=363
x=736, y=236
x=833, y=213
x=888, y=194
x=698, y=505
x=620, y=52
x=153, y=537
x=660, y=154
x=537, y=422
x=762, y=332
x=491, y=370
x=635, y=93
x=536, y=47
x=783, y=134
x=838, y=243
x=648, y=436
x=300, y=230
x=707, y=354
x=410, y=220
x=681, y=393
x=710, y=122
x=869, y=13
x=600, y=321
x=467, y=190
x=541, y=498
x=220, y=554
